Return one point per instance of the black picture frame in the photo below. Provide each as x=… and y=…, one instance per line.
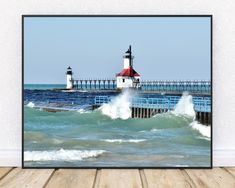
x=122, y=15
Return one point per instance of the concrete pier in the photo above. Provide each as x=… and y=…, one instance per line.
x=202, y=117
x=148, y=107
x=145, y=112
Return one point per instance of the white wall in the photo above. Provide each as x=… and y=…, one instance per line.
x=127, y=83
x=223, y=65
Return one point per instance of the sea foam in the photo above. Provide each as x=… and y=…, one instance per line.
x=65, y=155
x=118, y=107
x=122, y=140
x=31, y=105
x=83, y=111
x=203, y=129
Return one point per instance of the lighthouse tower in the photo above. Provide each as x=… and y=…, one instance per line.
x=69, y=75
x=128, y=77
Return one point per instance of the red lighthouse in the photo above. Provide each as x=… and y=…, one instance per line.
x=128, y=77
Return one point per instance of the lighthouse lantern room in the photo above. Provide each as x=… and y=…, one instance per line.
x=69, y=74
x=128, y=77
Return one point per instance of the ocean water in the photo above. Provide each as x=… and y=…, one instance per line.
x=108, y=136
x=44, y=86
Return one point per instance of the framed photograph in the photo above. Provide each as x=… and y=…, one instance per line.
x=117, y=91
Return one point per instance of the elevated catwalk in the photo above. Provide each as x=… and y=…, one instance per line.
x=167, y=87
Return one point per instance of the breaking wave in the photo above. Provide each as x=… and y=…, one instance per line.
x=203, y=129
x=31, y=105
x=65, y=155
x=119, y=107
x=185, y=106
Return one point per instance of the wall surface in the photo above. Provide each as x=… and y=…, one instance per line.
x=223, y=62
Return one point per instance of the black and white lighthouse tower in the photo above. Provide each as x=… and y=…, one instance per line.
x=69, y=74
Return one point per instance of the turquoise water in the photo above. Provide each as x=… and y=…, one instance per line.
x=90, y=138
x=44, y=86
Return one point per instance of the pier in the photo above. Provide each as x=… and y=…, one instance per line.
x=94, y=84
x=169, y=90
x=167, y=87
x=148, y=107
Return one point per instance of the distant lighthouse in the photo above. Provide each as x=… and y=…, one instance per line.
x=69, y=74
x=128, y=77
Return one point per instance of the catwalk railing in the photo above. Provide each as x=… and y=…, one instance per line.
x=197, y=87
x=201, y=104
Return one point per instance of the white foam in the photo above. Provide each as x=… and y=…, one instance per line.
x=82, y=111
x=119, y=107
x=69, y=91
x=128, y=140
x=154, y=130
x=203, y=138
x=57, y=141
x=185, y=106
x=203, y=129
x=31, y=105
x=65, y=155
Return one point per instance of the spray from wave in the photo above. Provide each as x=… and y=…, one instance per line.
x=65, y=155
x=185, y=108
x=31, y=105
x=119, y=107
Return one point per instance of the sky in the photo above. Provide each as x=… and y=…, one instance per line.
x=164, y=48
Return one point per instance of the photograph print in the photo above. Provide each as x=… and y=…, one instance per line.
x=117, y=91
